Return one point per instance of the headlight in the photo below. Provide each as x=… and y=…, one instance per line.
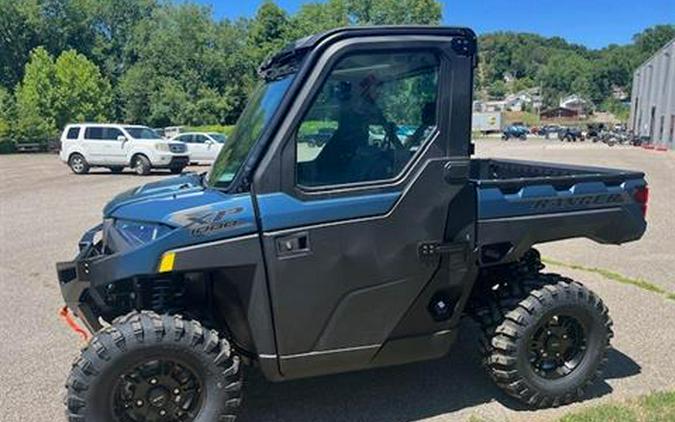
x=162, y=146
x=139, y=232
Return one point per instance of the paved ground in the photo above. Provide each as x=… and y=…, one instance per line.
x=44, y=209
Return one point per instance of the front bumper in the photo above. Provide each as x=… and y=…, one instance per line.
x=170, y=160
x=75, y=278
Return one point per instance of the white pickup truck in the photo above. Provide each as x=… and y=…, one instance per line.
x=117, y=146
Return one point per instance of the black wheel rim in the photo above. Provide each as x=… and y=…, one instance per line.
x=557, y=346
x=157, y=390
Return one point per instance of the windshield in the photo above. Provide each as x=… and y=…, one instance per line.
x=218, y=137
x=141, y=132
x=251, y=123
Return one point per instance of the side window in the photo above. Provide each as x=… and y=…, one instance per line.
x=94, y=133
x=370, y=117
x=199, y=139
x=111, y=133
x=73, y=133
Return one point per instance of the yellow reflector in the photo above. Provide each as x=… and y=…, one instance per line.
x=166, y=264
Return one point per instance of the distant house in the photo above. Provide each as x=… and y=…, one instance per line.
x=620, y=94
x=576, y=103
x=560, y=113
x=513, y=102
x=484, y=106
x=526, y=98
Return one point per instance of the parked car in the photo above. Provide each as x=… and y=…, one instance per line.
x=318, y=138
x=515, y=131
x=160, y=132
x=571, y=134
x=548, y=130
x=593, y=130
x=172, y=131
x=117, y=146
x=203, y=147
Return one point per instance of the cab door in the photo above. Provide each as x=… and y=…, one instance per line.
x=351, y=236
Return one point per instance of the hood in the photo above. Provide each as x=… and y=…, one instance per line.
x=190, y=182
x=186, y=211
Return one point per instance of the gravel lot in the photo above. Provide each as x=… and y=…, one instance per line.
x=44, y=209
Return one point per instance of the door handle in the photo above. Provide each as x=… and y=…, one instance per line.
x=294, y=244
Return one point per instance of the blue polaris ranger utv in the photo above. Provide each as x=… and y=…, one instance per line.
x=366, y=251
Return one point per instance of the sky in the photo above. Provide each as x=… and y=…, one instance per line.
x=593, y=23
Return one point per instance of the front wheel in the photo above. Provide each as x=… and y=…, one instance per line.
x=551, y=345
x=150, y=367
x=141, y=165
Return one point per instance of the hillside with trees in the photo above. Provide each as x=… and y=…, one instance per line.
x=561, y=68
x=162, y=63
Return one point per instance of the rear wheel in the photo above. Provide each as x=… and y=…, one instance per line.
x=176, y=170
x=141, y=165
x=78, y=164
x=545, y=339
x=147, y=367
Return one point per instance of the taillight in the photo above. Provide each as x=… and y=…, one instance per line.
x=641, y=196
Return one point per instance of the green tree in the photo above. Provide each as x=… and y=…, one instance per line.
x=390, y=12
x=497, y=89
x=5, y=112
x=114, y=23
x=268, y=32
x=652, y=39
x=564, y=74
x=81, y=93
x=185, y=62
x=313, y=18
x=18, y=36
x=64, y=24
x=35, y=119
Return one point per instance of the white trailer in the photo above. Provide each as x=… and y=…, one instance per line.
x=487, y=122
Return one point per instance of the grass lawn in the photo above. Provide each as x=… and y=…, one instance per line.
x=656, y=407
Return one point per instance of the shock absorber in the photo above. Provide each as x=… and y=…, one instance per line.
x=166, y=295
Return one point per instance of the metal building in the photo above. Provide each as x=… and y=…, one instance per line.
x=652, y=111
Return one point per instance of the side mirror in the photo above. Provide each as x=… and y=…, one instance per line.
x=209, y=142
x=122, y=138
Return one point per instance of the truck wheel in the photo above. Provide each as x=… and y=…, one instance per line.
x=147, y=367
x=78, y=164
x=176, y=170
x=141, y=165
x=549, y=346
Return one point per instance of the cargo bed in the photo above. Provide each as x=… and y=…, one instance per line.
x=522, y=203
